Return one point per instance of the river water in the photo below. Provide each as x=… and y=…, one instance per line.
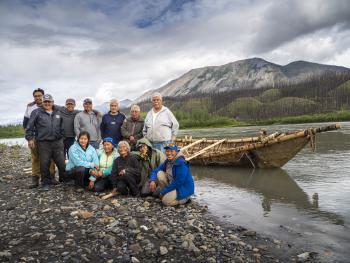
x=306, y=203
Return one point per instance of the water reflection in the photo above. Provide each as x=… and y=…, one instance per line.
x=272, y=185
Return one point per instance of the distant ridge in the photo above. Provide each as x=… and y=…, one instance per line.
x=104, y=107
x=253, y=73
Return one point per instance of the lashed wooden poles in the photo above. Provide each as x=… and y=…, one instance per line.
x=204, y=150
x=250, y=139
x=282, y=138
x=257, y=143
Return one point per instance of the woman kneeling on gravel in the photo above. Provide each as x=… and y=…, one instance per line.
x=126, y=172
x=173, y=178
x=82, y=159
x=99, y=179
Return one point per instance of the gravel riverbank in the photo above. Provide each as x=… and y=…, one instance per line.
x=68, y=224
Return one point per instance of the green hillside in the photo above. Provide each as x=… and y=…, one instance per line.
x=325, y=98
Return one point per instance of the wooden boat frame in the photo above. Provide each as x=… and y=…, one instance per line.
x=264, y=151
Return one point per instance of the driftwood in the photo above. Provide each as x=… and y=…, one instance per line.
x=110, y=195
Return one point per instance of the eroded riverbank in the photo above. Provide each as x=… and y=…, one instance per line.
x=71, y=225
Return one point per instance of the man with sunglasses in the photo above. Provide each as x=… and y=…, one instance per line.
x=45, y=127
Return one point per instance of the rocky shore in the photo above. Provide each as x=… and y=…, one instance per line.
x=68, y=224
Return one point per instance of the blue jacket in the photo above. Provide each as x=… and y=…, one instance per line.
x=111, y=126
x=79, y=157
x=182, y=178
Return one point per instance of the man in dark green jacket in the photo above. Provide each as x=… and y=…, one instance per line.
x=149, y=158
x=132, y=127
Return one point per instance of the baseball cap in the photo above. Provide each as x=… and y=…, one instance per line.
x=70, y=100
x=172, y=147
x=47, y=97
x=87, y=100
x=109, y=139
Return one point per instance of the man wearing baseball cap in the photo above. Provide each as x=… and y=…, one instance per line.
x=68, y=114
x=90, y=121
x=45, y=126
x=173, y=178
x=34, y=154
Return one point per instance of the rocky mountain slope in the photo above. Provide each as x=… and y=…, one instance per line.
x=249, y=73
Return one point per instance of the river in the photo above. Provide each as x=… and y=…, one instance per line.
x=306, y=203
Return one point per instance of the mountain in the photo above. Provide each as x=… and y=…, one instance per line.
x=125, y=103
x=249, y=73
x=104, y=107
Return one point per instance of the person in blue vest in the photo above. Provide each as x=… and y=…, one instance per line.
x=112, y=122
x=173, y=178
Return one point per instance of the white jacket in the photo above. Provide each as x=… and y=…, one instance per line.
x=164, y=127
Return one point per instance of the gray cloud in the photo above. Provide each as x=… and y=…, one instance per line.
x=123, y=48
x=285, y=21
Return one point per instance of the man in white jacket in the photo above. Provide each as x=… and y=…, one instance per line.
x=161, y=126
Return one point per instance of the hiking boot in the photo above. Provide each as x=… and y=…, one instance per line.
x=55, y=182
x=69, y=183
x=35, y=182
x=156, y=193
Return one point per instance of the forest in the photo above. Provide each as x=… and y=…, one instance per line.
x=325, y=97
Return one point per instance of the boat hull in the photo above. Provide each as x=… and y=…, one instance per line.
x=273, y=156
x=264, y=151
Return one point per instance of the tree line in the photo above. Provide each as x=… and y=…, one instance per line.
x=316, y=94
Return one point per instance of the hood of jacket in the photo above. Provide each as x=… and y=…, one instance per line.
x=65, y=111
x=143, y=141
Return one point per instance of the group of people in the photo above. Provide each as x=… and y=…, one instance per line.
x=129, y=156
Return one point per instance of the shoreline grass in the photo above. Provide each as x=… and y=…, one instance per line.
x=11, y=131
x=16, y=131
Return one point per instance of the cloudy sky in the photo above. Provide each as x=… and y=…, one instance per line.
x=111, y=48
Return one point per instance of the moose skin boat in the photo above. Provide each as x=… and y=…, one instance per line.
x=264, y=151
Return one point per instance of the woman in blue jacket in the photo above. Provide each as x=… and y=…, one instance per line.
x=82, y=159
x=173, y=177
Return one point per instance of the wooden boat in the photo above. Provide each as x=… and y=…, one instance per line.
x=263, y=151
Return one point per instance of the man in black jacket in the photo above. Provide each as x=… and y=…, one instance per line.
x=46, y=128
x=34, y=154
x=68, y=114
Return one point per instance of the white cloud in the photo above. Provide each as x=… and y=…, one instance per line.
x=122, y=48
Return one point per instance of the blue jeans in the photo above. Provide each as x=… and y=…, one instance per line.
x=160, y=145
x=95, y=144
